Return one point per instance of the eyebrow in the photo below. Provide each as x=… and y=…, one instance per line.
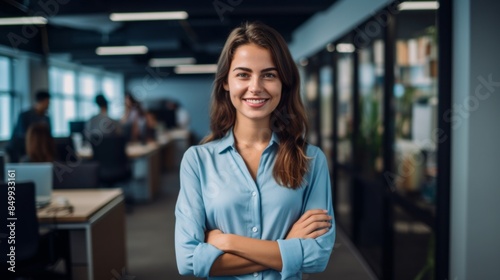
x=250, y=70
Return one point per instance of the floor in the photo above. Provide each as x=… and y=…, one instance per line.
x=150, y=243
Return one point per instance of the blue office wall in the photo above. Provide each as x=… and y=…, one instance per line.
x=192, y=92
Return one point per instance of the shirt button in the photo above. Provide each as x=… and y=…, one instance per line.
x=255, y=274
x=254, y=229
x=254, y=193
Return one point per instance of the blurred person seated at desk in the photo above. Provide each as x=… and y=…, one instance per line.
x=40, y=146
x=101, y=124
x=133, y=117
x=38, y=113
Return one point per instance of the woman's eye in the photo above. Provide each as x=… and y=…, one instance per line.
x=242, y=75
x=269, y=75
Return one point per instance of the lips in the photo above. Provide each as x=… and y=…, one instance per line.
x=255, y=102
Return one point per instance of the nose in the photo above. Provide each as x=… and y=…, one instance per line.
x=255, y=85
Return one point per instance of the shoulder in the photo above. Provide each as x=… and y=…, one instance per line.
x=202, y=151
x=316, y=156
x=314, y=152
x=26, y=113
x=197, y=157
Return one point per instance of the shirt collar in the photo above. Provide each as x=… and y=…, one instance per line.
x=227, y=141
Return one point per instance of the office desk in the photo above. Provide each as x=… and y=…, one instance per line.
x=96, y=231
x=145, y=166
x=134, y=150
x=147, y=162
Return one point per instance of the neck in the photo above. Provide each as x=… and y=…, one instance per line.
x=104, y=111
x=39, y=110
x=252, y=133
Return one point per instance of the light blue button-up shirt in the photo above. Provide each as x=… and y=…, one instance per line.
x=218, y=192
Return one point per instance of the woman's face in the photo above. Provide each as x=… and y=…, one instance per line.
x=253, y=83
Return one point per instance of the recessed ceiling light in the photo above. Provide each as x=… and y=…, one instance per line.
x=23, y=21
x=169, y=62
x=419, y=5
x=121, y=50
x=345, y=48
x=196, y=69
x=148, y=16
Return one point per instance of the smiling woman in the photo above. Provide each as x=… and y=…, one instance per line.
x=255, y=199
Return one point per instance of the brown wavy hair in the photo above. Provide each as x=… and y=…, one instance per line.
x=288, y=120
x=40, y=146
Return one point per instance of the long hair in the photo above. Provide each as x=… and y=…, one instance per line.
x=288, y=120
x=40, y=146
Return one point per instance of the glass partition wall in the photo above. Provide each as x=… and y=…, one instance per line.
x=368, y=146
x=343, y=63
x=373, y=109
x=415, y=144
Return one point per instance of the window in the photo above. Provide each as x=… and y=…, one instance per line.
x=63, y=105
x=88, y=85
x=73, y=94
x=5, y=98
x=113, y=90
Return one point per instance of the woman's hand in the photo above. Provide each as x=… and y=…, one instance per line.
x=312, y=224
x=216, y=238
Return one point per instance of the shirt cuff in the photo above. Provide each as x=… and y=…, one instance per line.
x=291, y=256
x=203, y=257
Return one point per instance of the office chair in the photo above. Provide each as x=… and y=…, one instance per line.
x=34, y=252
x=83, y=176
x=2, y=167
x=65, y=149
x=16, y=148
x=114, y=166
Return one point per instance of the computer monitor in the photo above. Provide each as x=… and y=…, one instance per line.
x=39, y=173
x=76, y=127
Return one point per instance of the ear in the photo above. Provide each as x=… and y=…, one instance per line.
x=226, y=86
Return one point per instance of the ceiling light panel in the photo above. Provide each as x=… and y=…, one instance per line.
x=196, y=69
x=23, y=21
x=148, y=16
x=121, y=50
x=169, y=62
x=419, y=5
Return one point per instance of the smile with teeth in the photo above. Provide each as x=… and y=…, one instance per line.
x=255, y=101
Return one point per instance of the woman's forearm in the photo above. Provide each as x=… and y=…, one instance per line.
x=264, y=252
x=230, y=264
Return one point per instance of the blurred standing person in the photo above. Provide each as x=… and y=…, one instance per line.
x=150, y=128
x=38, y=113
x=170, y=114
x=133, y=119
x=101, y=124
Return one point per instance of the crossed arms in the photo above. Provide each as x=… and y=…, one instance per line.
x=243, y=255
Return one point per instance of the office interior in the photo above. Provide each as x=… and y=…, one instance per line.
x=402, y=97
